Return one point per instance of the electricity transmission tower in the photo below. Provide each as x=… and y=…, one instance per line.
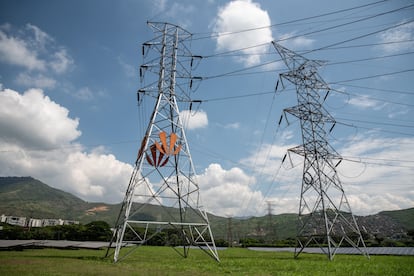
x=271, y=231
x=162, y=201
x=325, y=216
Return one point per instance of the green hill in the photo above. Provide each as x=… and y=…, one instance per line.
x=404, y=217
x=28, y=197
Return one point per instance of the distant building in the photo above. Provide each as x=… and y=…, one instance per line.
x=35, y=223
x=20, y=221
x=70, y=222
x=51, y=222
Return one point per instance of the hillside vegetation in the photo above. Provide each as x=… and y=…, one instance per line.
x=28, y=197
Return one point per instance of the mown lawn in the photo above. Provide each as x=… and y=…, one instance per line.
x=165, y=261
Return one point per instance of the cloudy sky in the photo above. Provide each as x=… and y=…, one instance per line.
x=69, y=115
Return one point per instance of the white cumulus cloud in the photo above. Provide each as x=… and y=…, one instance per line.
x=60, y=61
x=33, y=120
x=194, y=119
x=398, y=39
x=293, y=41
x=229, y=192
x=35, y=80
x=239, y=16
x=32, y=49
x=16, y=51
x=364, y=101
x=376, y=174
x=38, y=139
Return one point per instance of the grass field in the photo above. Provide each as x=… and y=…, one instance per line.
x=165, y=261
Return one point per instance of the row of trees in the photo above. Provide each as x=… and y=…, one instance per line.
x=372, y=241
x=101, y=231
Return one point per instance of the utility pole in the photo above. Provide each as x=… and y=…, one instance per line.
x=325, y=216
x=163, y=191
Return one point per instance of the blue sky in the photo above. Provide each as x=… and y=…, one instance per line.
x=69, y=115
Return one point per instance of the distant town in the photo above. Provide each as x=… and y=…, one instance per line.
x=34, y=222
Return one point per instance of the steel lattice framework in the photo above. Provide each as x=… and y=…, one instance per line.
x=164, y=177
x=325, y=216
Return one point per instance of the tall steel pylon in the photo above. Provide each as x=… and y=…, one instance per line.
x=325, y=216
x=162, y=201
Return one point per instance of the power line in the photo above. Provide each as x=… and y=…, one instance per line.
x=362, y=45
x=368, y=59
x=289, y=22
x=379, y=89
x=376, y=123
x=328, y=64
x=373, y=76
x=360, y=36
x=374, y=129
x=375, y=117
x=379, y=164
x=311, y=32
x=380, y=159
x=331, y=48
x=239, y=96
x=248, y=95
x=370, y=97
x=345, y=24
x=310, y=51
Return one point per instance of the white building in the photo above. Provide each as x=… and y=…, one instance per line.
x=20, y=221
x=52, y=222
x=35, y=223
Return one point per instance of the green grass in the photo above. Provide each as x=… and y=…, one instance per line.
x=165, y=261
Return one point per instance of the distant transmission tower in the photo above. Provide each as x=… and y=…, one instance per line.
x=270, y=230
x=162, y=201
x=325, y=216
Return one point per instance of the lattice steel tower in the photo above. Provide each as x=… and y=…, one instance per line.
x=162, y=201
x=325, y=216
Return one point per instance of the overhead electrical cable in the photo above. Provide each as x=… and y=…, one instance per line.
x=362, y=45
x=248, y=95
x=379, y=159
x=375, y=117
x=310, y=51
x=360, y=36
x=376, y=123
x=371, y=97
x=368, y=59
x=379, y=89
x=327, y=64
x=332, y=48
x=239, y=96
x=312, y=32
x=374, y=129
x=288, y=22
x=373, y=76
x=378, y=164
x=345, y=24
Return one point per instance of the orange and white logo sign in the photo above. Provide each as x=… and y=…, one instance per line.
x=160, y=153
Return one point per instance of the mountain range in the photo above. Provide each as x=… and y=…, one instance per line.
x=29, y=197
